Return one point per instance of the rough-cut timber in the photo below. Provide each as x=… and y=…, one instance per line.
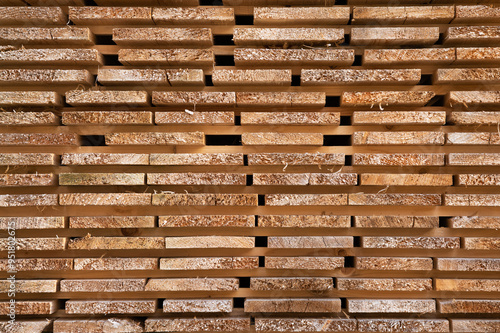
x=79, y=179
x=319, y=77
x=466, y=98
x=468, y=138
x=110, y=15
x=398, y=138
x=20, y=326
x=192, y=117
x=303, y=305
x=468, y=306
x=391, y=305
x=291, y=283
x=210, y=242
x=110, y=325
x=192, y=284
x=35, y=244
x=310, y=242
x=415, y=36
x=23, y=200
x=333, y=179
x=291, y=36
x=252, y=77
x=399, y=159
x=301, y=15
x=53, y=36
x=193, y=15
x=107, y=118
x=199, y=37
x=399, y=117
x=116, y=243
x=155, y=138
x=107, y=98
x=475, y=118
x=27, y=159
x=441, y=56
x=467, y=75
x=393, y=179
x=41, y=179
x=304, y=179
x=486, y=285
x=32, y=222
x=474, y=159
x=393, y=263
x=482, y=222
x=193, y=98
x=389, y=284
x=403, y=15
x=28, y=118
x=296, y=159
x=198, y=305
x=304, y=221
x=304, y=325
x=312, y=263
x=207, y=263
x=276, y=138
x=166, y=57
x=30, y=307
x=102, y=285
x=297, y=57
x=306, y=199
x=32, y=15
x=290, y=118
x=204, y=199
x=104, y=159
x=395, y=199
x=85, y=222
x=476, y=55
x=204, y=324
x=206, y=221
x=21, y=56
x=468, y=264
x=92, y=307
x=105, y=199
x=476, y=14
x=290, y=99
x=29, y=98
x=396, y=221
x=472, y=35
x=479, y=179
x=40, y=264
x=481, y=243
x=115, y=264
x=476, y=200
x=475, y=325
x=29, y=286
x=405, y=242
x=381, y=99
x=38, y=139
x=156, y=77
x=197, y=159
x=14, y=77
x=403, y=325
x=190, y=178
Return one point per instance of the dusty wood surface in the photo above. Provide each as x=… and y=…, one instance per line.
x=250, y=166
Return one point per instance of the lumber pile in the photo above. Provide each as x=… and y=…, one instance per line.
x=249, y=166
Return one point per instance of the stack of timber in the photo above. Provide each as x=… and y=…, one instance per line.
x=249, y=166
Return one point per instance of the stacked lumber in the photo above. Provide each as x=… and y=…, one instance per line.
x=249, y=166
